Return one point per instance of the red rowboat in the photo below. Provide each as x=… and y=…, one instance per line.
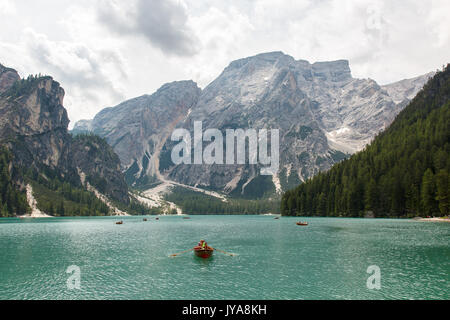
x=203, y=253
x=202, y=250
x=302, y=223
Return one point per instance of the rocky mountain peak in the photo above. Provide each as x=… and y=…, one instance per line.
x=139, y=127
x=33, y=126
x=82, y=126
x=322, y=112
x=34, y=106
x=8, y=77
x=407, y=88
x=269, y=58
x=334, y=71
x=178, y=85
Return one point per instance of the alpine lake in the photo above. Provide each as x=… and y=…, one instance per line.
x=273, y=259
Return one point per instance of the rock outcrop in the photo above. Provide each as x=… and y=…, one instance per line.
x=137, y=129
x=34, y=126
x=8, y=77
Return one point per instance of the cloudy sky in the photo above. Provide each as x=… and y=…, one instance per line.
x=106, y=51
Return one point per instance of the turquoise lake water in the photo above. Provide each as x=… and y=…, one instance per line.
x=275, y=259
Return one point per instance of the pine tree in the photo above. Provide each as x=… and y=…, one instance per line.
x=371, y=196
x=51, y=210
x=428, y=193
x=443, y=192
x=60, y=210
x=322, y=205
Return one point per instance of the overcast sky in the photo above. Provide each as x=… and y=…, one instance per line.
x=106, y=51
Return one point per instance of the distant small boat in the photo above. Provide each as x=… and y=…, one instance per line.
x=119, y=222
x=277, y=218
x=157, y=219
x=145, y=219
x=302, y=223
x=186, y=218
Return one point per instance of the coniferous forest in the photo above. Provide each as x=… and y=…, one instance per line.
x=54, y=196
x=192, y=202
x=404, y=172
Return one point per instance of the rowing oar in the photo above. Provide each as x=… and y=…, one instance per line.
x=177, y=254
x=224, y=252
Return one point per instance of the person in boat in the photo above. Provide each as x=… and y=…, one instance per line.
x=203, y=245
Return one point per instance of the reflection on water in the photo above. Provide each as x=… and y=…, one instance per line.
x=204, y=262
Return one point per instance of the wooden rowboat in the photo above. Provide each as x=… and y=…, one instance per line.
x=302, y=223
x=203, y=253
x=120, y=222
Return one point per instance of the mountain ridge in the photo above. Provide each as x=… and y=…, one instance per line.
x=323, y=114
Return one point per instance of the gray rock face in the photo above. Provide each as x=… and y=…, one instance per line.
x=101, y=165
x=34, y=122
x=321, y=111
x=408, y=88
x=82, y=126
x=266, y=91
x=137, y=129
x=7, y=78
x=323, y=115
x=33, y=125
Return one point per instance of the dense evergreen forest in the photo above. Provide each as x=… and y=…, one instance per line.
x=192, y=202
x=57, y=197
x=54, y=196
x=404, y=172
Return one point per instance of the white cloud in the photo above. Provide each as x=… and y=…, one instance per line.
x=106, y=51
x=224, y=36
x=91, y=78
x=438, y=21
x=162, y=22
x=7, y=7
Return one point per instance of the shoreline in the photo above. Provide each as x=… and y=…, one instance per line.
x=432, y=219
x=436, y=219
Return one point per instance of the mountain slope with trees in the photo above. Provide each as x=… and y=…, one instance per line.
x=37, y=151
x=404, y=172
